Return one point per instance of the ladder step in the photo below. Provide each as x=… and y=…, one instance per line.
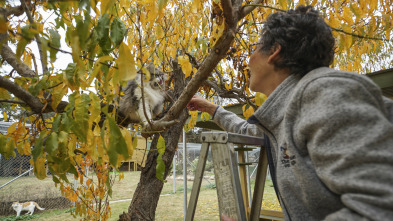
x=245, y=164
x=244, y=148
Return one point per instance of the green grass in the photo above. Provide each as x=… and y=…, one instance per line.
x=170, y=205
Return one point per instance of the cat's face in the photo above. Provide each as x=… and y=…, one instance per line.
x=157, y=82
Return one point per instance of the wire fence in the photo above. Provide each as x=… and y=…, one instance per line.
x=18, y=184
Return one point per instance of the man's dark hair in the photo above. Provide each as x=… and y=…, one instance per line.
x=306, y=40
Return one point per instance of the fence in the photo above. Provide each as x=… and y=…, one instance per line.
x=18, y=184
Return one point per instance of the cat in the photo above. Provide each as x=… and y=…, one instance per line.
x=131, y=105
x=27, y=206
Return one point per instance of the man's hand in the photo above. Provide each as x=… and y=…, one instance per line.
x=201, y=104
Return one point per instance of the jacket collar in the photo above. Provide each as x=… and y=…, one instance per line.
x=272, y=111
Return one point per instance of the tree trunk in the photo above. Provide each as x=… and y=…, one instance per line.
x=144, y=203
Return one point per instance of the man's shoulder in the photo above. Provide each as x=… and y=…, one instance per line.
x=325, y=74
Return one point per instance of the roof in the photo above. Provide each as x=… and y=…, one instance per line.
x=384, y=79
x=5, y=125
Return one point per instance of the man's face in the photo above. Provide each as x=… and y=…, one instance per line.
x=259, y=70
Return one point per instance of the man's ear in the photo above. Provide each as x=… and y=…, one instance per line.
x=274, y=54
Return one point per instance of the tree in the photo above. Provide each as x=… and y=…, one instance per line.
x=203, y=45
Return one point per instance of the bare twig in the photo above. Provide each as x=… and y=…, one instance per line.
x=11, y=101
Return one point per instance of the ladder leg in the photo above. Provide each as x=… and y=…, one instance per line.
x=230, y=198
x=258, y=189
x=197, y=182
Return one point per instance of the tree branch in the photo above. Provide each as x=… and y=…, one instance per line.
x=37, y=38
x=246, y=9
x=218, y=52
x=360, y=36
x=228, y=13
x=11, y=101
x=17, y=11
x=10, y=57
x=33, y=102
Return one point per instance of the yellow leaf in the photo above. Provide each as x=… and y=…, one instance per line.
x=39, y=167
x=4, y=94
x=57, y=95
x=185, y=65
x=205, y=116
x=126, y=63
x=27, y=58
x=128, y=138
x=27, y=149
x=348, y=15
x=248, y=112
x=105, y=5
x=97, y=67
x=5, y=116
x=193, y=119
x=260, y=98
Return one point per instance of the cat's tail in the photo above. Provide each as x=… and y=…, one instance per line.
x=37, y=206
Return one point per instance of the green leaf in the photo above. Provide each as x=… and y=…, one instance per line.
x=117, y=144
x=66, y=123
x=63, y=141
x=103, y=33
x=55, y=42
x=38, y=148
x=51, y=143
x=20, y=48
x=7, y=147
x=56, y=123
x=70, y=74
x=160, y=168
x=81, y=116
x=3, y=142
x=55, y=179
x=118, y=31
x=73, y=171
x=82, y=27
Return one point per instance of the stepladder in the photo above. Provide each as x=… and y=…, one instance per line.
x=227, y=151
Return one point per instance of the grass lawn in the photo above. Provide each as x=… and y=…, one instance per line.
x=170, y=205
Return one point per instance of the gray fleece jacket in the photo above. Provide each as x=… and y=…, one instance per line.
x=332, y=144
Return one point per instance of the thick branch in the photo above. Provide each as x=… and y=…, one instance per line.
x=217, y=53
x=17, y=11
x=34, y=103
x=228, y=13
x=18, y=65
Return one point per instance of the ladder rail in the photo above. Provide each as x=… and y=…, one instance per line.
x=197, y=182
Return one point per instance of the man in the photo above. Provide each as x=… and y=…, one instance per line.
x=329, y=133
